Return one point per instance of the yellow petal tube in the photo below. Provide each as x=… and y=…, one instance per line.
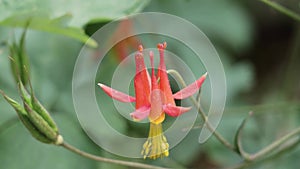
x=156, y=145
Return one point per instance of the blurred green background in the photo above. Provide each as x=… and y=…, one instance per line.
x=259, y=48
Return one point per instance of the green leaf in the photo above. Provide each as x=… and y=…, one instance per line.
x=81, y=11
x=65, y=17
x=44, y=23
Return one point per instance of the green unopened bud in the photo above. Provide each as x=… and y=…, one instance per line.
x=14, y=58
x=39, y=108
x=13, y=103
x=40, y=123
x=25, y=120
x=24, y=94
x=33, y=115
x=32, y=102
x=19, y=60
x=33, y=130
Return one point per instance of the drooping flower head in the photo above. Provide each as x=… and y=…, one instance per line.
x=154, y=99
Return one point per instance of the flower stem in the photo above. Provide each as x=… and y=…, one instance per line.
x=215, y=132
x=203, y=115
x=107, y=160
x=283, y=149
x=275, y=144
x=282, y=9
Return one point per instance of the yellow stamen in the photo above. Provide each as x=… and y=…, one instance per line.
x=156, y=144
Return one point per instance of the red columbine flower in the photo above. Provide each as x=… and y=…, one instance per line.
x=154, y=98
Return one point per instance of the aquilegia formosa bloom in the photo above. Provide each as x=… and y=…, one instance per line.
x=153, y=98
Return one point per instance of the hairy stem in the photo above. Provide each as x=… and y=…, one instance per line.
x=108, y=160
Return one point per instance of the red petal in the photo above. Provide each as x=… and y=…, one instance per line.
x=175, y=111
x=122, y=97
x=141, y=113
x=190, y=89
x=163, y=76
x=154, y=84
x=141, y=81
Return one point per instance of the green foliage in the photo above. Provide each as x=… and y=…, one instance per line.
x=44, y=23
x=64, y=17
